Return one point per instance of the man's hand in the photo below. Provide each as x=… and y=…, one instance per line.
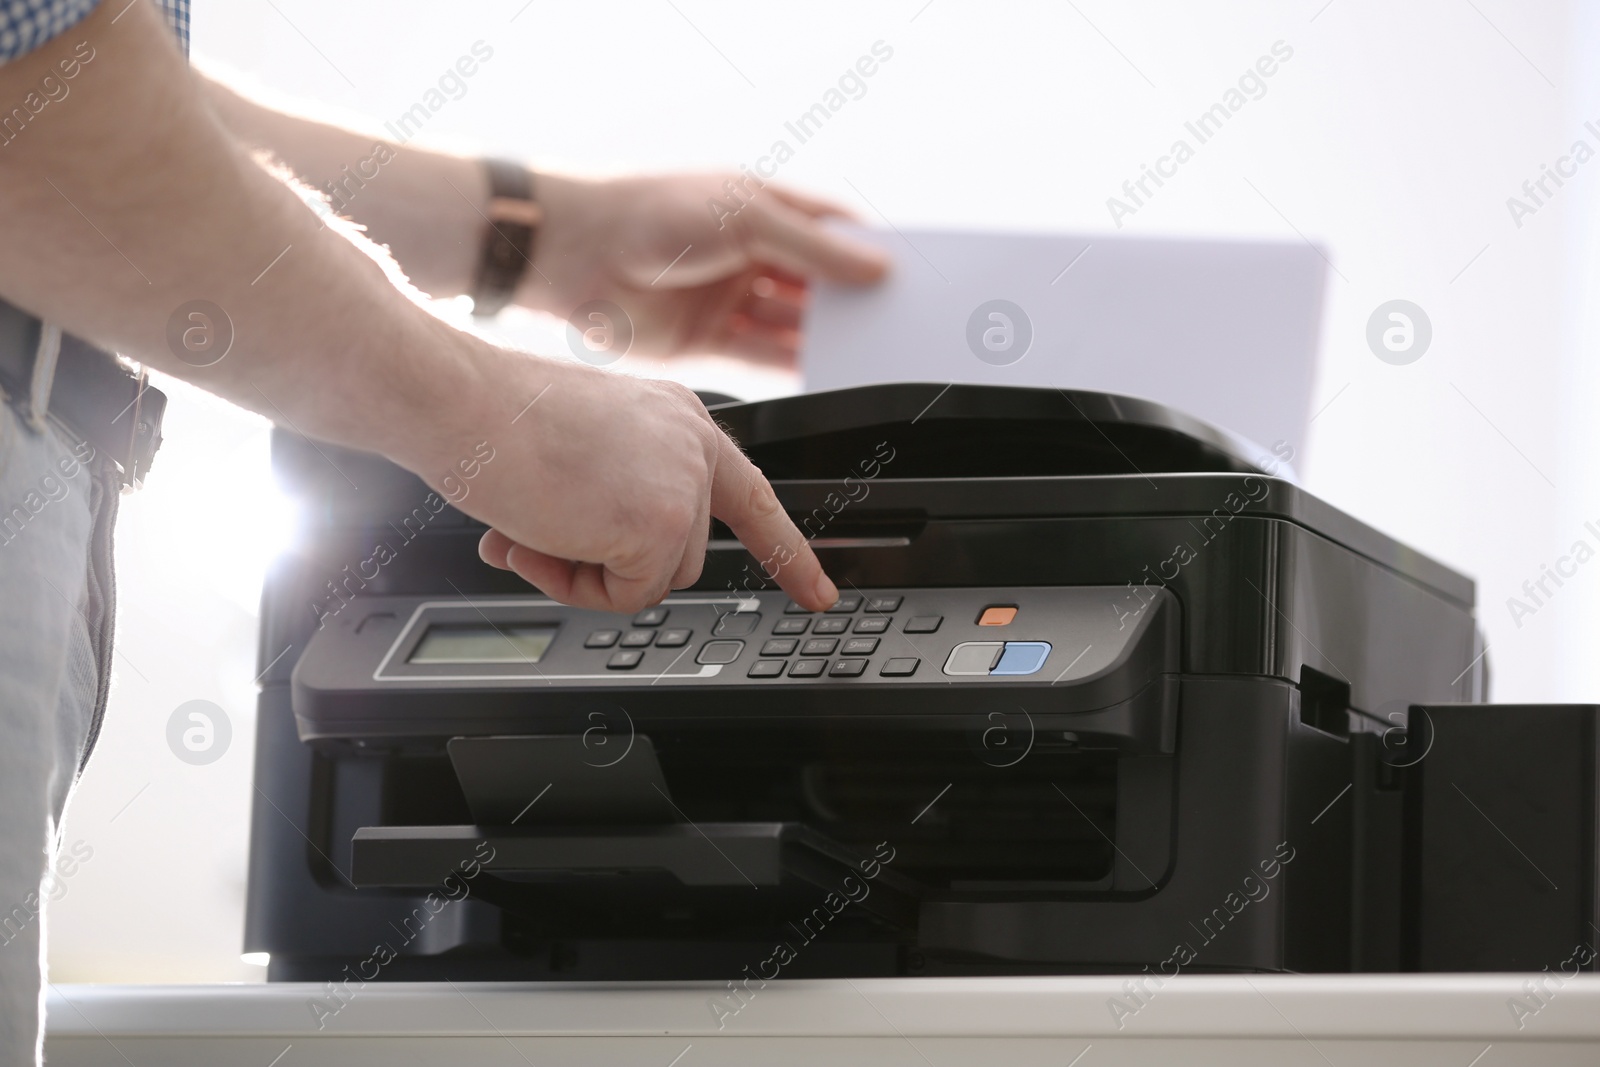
x=698, y=263
x=603, y=486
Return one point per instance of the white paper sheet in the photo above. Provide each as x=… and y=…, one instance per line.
x=1225, y=331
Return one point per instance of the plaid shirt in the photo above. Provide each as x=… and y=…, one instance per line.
x=27, y=24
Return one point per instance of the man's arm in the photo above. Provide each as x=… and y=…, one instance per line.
x=127, y=198
x=425, y=206
x=698, y=263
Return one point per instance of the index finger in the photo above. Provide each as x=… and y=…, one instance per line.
x=742, y=497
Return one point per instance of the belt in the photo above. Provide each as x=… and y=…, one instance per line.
x=93, y=395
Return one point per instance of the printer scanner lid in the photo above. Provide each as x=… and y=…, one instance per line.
x=949, y=430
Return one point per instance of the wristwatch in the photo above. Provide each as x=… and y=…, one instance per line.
x=507, y=254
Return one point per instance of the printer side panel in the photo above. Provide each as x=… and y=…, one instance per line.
x=1364, y=645
x=1390, y=640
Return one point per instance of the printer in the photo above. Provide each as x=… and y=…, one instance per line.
x=1104, y=691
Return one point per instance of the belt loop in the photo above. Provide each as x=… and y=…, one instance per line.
x=132, y=474
x=44, y=374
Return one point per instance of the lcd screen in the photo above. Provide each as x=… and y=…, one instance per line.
x=506, y=643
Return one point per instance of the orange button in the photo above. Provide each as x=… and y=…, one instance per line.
x=997, y=616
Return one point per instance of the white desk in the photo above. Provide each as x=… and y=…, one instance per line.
x=1281, y=1021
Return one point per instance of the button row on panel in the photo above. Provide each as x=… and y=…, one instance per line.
x=808, y=668
x=850, y=602
x=871, y=624
x=820, y=646
x=849, y=667
x=874, y=624
x=771, y=664
x=638, y=638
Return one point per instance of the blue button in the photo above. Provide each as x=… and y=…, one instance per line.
x=1022, y=657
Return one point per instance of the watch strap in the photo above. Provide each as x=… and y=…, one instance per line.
x=513, y=221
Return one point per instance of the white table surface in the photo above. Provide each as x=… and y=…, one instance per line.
x=1424, y=1020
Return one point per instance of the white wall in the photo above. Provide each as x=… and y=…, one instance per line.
x=1392, y=138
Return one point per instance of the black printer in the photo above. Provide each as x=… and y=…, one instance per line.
x=1104, y=691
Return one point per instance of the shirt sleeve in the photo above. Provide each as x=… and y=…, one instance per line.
x=27, y=24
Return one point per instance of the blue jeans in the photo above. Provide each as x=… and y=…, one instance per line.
x=57, y=503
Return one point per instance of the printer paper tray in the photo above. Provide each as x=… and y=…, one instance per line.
x=700, y=854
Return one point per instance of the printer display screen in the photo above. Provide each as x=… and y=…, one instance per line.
x=483, y=644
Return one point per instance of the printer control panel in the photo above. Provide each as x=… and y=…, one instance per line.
x=388, y=667
x=957, y=636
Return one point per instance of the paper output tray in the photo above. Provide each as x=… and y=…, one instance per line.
x=699, y=854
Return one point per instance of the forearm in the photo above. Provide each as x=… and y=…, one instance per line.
x=131, y=190
x=425, y=206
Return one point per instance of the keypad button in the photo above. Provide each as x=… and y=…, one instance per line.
x=791, y=608
x=819, y=646
x=638, y=638
x=602, y=639
x=737, y=624
x=848, y=668
x=923, y=624
x=859, y=646
x=900, y=667
x=876, y=625
x=846, y=604
x=806, y=668
x=650, y=617
x=831, y=626
x=673, y=638
x=791, y=626
x=779, y=646
x=1022, y=657
x=766, y=668
x=974, y=657
x=884, y=604
x=624, y=659
x=998, y=615
x=719, y=652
